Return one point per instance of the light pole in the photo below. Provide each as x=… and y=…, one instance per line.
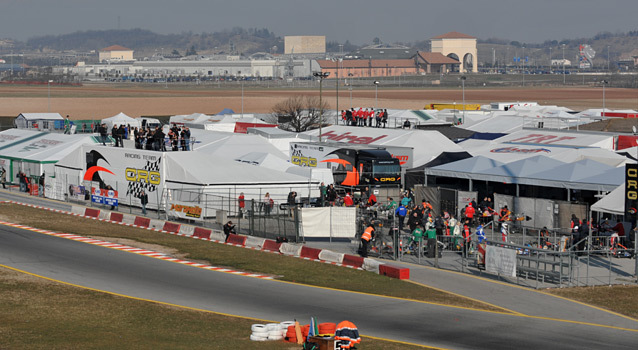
x=321, y=76
x=350, y=88
x=49, y=94
x=376, y=90
x=463, y=77
x=563, y=64
x=604, y=82
x=242, y=98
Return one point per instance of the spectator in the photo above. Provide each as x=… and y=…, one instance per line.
x=103, y=133
x=268, y=203
x=347, y=200
x=469, y=213
x=414, y=221
x=401, y=213
x=384, y=119
x=228, y=229
x=41, y=185
x=292, y=202
x=143, y=200
x=406, y=124
x=3, y=178
x=114, y=135
x=186, y=134
x=332, y=194
x=242, y=204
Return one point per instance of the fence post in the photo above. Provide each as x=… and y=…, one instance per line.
x=296, y=218
x=251, y=219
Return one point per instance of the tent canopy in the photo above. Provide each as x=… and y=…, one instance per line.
x=612, y=203
x=120, y=119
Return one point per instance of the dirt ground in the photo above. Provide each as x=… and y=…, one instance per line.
x=101, y=101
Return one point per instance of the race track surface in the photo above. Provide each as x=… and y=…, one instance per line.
x=408, y=321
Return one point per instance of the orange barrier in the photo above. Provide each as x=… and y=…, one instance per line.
x=327, y=328
x=401, y=273
x=291, y=335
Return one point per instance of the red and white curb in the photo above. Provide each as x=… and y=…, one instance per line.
x=134, y=250
x=179, y=234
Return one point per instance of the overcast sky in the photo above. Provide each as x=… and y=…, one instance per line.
x=530, y=21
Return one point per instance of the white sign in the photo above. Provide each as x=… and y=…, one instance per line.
x=183, y=210
x=500, y=261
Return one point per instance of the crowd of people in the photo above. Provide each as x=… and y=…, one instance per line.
x=365, y=117
x=178, y=138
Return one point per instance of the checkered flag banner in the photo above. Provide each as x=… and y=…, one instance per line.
x=134, y=187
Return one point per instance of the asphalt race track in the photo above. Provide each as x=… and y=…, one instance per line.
x=420, y=323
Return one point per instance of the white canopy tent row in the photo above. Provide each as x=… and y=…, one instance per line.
x=539, y=170
x=561, y=145
x=189, y=175
x=252, y=149
x=36, y=152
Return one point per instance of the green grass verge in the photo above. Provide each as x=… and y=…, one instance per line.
x=37, y=313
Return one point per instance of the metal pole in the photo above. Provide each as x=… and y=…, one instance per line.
x=463, y=85
x=242, y=99
x=49, y=94
x=337, y=87
x=320, y=108
x=563, y=64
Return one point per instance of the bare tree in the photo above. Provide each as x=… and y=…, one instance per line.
x=299, y=113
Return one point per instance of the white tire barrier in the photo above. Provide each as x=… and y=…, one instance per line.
x=290, y=249
x=261, y=334
x=331, y=256
x=258, y=328
x=255, y=242
x=256, y=338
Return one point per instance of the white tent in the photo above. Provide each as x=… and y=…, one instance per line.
x=120, y=119
x=426, y=144
x=195, y=118
x=35, y=152
x=613, y=202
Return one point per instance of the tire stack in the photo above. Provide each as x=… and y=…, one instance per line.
x=272, y=331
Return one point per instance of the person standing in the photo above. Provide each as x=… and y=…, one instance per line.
x=186, y=134
x=3, y=177
x=103, y=133
x=120, y=134
x=41, y=185
x=67, y=125
x=400, y=213
x=324, y=193
x=384, y=118
x=242, y=204
x=268, y=203
x=143, y=200
x=292, y=202
x=114, y=134
x=366, y=237
x=347, y=200
x=332, y=195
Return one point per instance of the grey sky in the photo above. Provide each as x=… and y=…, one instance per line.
x=359, y=21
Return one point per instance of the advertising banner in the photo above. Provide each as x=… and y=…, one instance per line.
x=184, y=210
x=631, y=191
x=104, y=196
x=501, y=261
x=125, y=170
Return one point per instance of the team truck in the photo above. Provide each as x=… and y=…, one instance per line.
x=355, y=166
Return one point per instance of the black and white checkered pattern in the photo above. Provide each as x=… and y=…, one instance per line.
x=135, y=187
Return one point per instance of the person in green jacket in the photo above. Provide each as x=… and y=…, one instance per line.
x=417, y=238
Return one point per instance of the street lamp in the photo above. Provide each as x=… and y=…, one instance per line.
x=49, y=93
x=604, y=82
x=376, y=90
x=463, y=77
x=350, y=88
x=321, y=76
x=563, y=63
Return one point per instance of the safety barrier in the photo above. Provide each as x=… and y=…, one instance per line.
x=254, y=242
x=94, y=213
x=271, y=245
x=171, y=227
x=330, y=256
x=236, y=239
x=142, y=221
x=202, y=232
x=309, y=253
x=351, y=260
x=117, y=217
x=401, y=273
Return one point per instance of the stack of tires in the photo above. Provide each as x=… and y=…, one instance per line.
x=270, y=331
